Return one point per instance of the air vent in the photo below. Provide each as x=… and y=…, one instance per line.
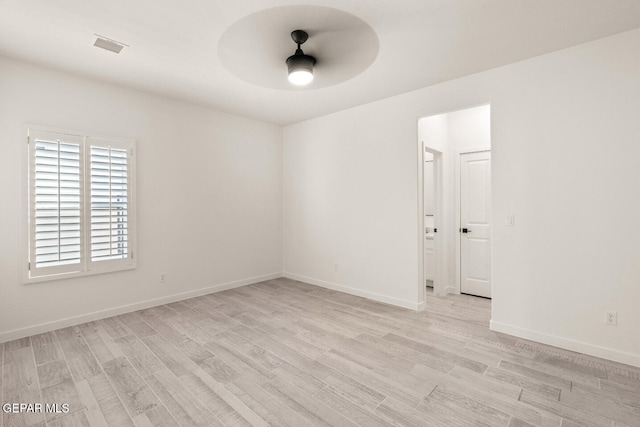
x=108, y=44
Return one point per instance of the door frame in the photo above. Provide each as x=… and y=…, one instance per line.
x=438, y=286
x=458, y=195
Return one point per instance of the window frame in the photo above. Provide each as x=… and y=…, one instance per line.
x=86, y=267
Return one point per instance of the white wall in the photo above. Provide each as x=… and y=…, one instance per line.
x=209, y=189
x=564, y=135
x=451, y=133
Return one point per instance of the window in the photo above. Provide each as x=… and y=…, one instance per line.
x=80, y=205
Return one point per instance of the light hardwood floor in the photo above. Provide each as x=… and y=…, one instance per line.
x=287, y=353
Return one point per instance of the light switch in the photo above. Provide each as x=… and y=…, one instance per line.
x=511, y=220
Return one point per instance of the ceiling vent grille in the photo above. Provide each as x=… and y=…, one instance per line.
x=108, y=44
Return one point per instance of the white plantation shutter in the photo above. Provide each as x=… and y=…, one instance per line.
x=109, y=202
x=55, y=195
x=80, y=205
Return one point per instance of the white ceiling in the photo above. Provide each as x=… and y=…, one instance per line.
x=173, y=44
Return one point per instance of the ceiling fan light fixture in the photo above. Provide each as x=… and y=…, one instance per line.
x=300, y=69
x=299, y=65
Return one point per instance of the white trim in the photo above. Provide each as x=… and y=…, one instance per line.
x=567, y=344
x=101, y=314
x=439, y=283
x=440, y=259
x=422, y=291
x=353, y=291
x=24, y=204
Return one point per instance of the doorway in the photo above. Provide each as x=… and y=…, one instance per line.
x=432, y=192
x=452, y=261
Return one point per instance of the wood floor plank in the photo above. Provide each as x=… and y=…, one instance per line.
x=110, y=405
x=616, y=408
x=157, y=417
x=406, y=353
x=532, y=385
x=517, y=422
x=265, y=405
x=219, y=370
x=468, y=408
x=188, y=309
x=102, y=344
x=227, y=407
x=317, y=412
x=240, y=362
x=464, y=377
x=348, y=409
x=291, y=356
x=133, y=392
x=176, y=361
x=252, y=319
x=300, y=378
x=57, y=387
x=216, y=321
x=93, y=412
x=161, y=327
x=181, y=403
x=190, y=330
x=53, y=373
x=445, y=414
x=367, y=355
x=627, y=381
x=20, y=382
x=75, y=419
x=139, y=355
x=114, y=327
x=553, y=370
x=194, y=351
x=400, y=414
x=427, y=349
x=136, y=325
x=540, y=376
x=618, y=391
x=258, y=354
x=46, y=348
x=372, y=379
x=355, y=391
x=80, y=359
x=576, y=414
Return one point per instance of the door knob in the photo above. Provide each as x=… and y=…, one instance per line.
x=466, y=230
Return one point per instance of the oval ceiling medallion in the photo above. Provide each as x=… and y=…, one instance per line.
x=256, y=47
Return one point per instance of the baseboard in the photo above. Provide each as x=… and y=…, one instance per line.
x=357, y=292
x=101, y=314
x=567, y=344
x=451, y=290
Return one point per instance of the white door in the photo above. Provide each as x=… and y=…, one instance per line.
x=475, y=225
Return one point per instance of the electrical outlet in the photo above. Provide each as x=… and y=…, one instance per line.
x=163, y=277
x=611, y=318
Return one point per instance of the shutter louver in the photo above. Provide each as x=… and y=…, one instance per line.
x=109, y=203
x=57, y=201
